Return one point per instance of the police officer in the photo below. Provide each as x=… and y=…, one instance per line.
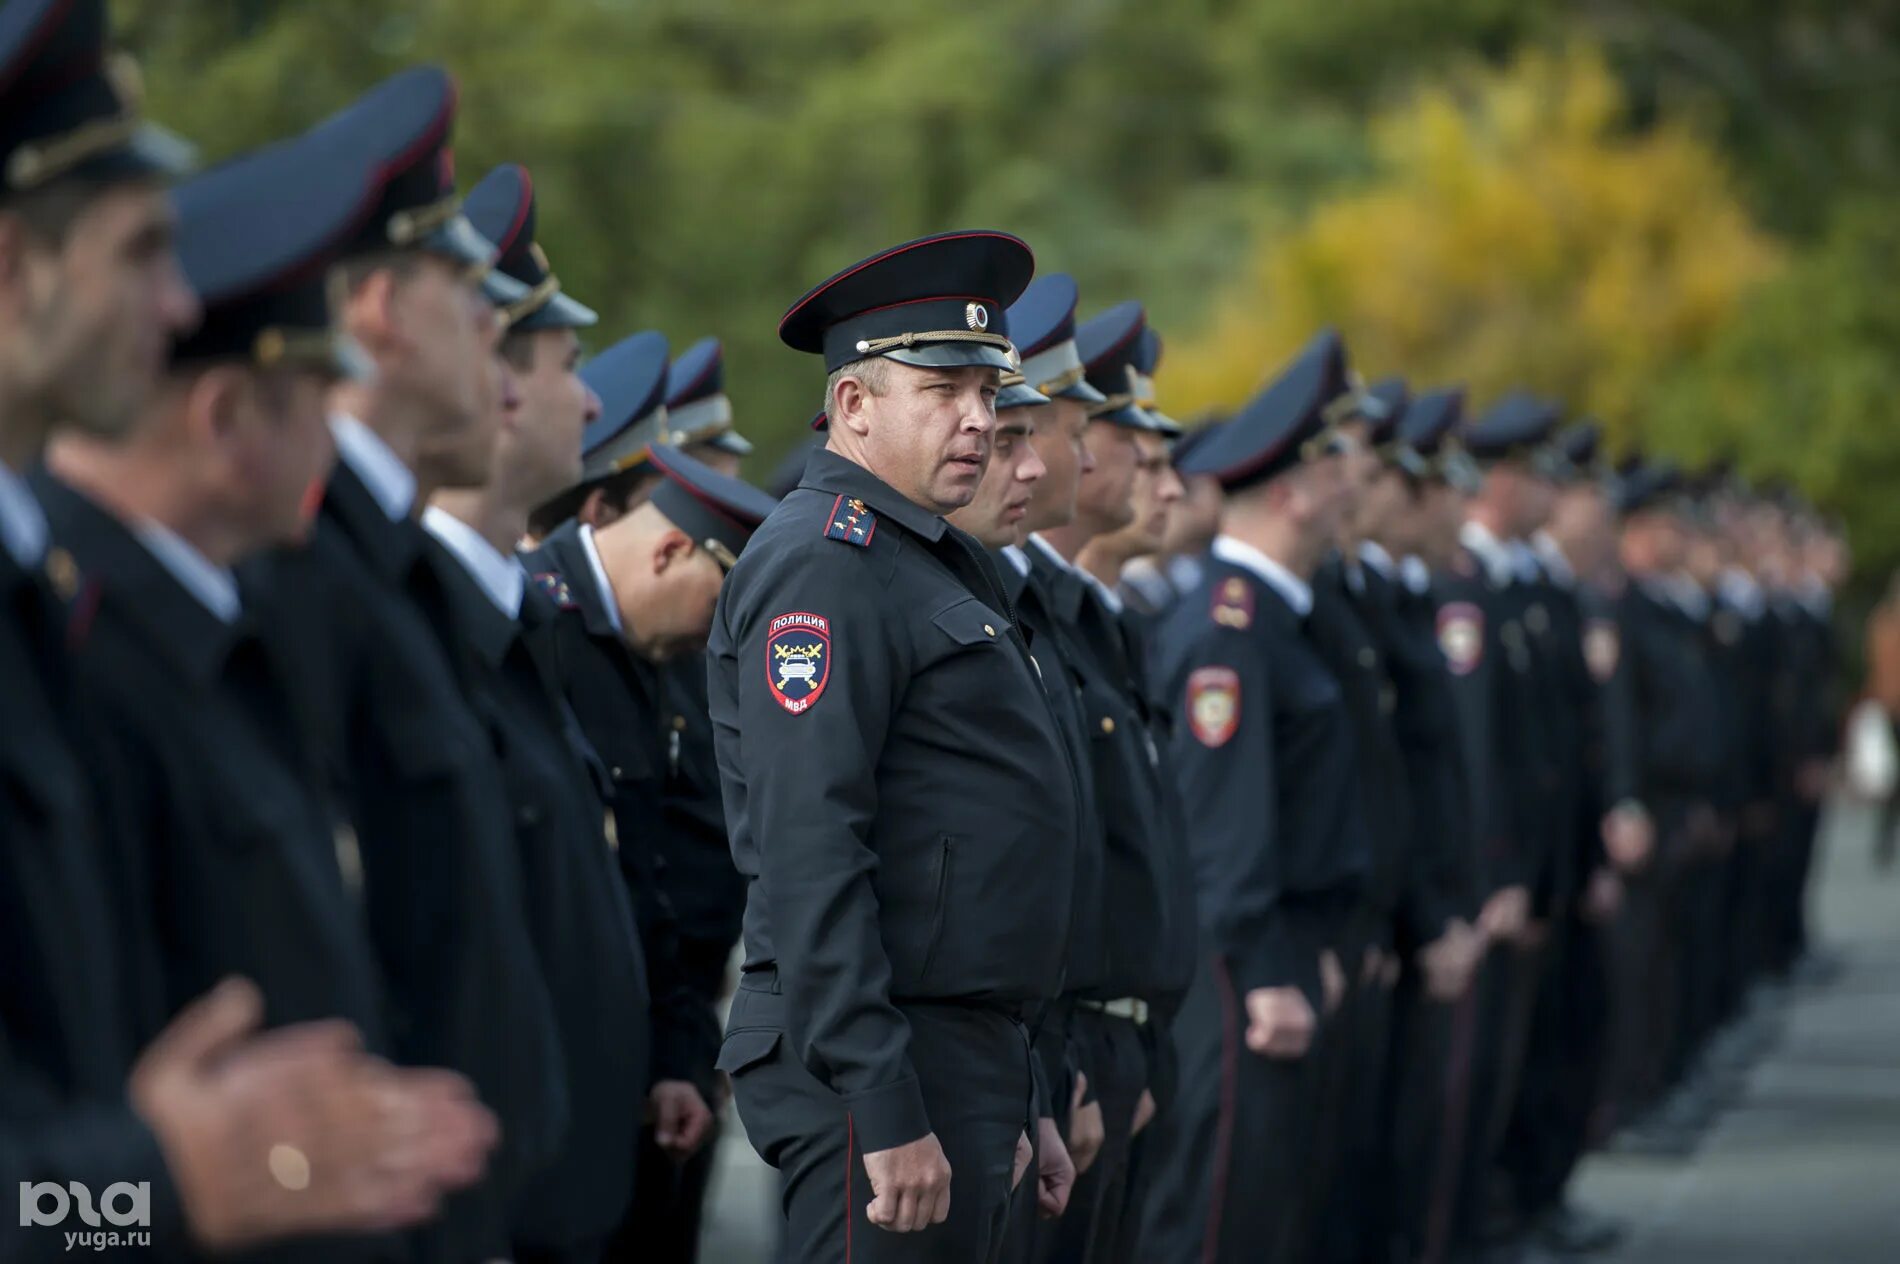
x=1438, y=944
x=1111, y=1008
x=1042, y=322
x=633, y=594
x=577, y=913
x=885, y=750
x=995, y=518
x=82, y=182
x=1264, y=757
x=383, y=670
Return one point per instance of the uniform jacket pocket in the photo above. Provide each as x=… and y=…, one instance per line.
x=747, y=1048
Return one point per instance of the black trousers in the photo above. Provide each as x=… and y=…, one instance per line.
x=1355, y=1209
x=1551, y=1121
x=972, y=1066
x=669, y=1200
x=1117, y=1065
x=1413, y=1113
x=1507, y=995
x=1224, y=1165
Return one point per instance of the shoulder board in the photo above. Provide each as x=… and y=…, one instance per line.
x=851, y=521
x=1232, y=604
x=554, y=587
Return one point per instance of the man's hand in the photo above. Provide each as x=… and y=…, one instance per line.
x=1144, y=1112
x=1055, y=1171
x=1505, y=913
x=1279, y=1022
x=1332, y=981
x=1449, y=961
x=1024, y=1153
x=681, y=1119
x=1602, y=897
x=1629, y=837
x=1087, y=1132
x=297, y=1131
x=910, y=1186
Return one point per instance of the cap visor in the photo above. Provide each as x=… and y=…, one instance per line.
x=1129, y=417
x=1165, y=425
x=1080, y=391
x=951, y=355
x=458, y=239
x=1019, y=397
x=559, y=312
x=501, y=289
x=732, y=442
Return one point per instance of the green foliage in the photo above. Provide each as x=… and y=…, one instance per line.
x=701, y=162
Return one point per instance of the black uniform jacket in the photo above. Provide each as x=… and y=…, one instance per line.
x=1265, y=759
x=380, y=667
x=887, y=753
x=577, y=912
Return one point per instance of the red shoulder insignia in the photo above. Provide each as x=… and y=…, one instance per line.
x=797, y=659
x=1232, y=606
x=554, y=586
x=852, y=521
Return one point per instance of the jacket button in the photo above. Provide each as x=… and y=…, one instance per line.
x=988, y=630
x=528, y=817
x=1108, y=724
x=617, y=774
x=679, y=724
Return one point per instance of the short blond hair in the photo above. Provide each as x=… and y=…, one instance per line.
x=874, y=372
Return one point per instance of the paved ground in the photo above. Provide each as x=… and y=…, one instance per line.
x=1804, y=1169
x=1806, y=1166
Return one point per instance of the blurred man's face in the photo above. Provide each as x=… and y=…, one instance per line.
x=555, y=408
x=282, y=448
x=90, y=320
x=442, y=361
x=1195, y=520
x=1105, y=500
x=1061, y=443
x=995, y=515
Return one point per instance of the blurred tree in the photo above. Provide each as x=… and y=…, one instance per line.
x=1803, y=383
x=1517, y=233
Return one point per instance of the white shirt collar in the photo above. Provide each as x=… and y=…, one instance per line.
x=1184, y=572
x=1490, y=550
x=1017, y=558
x=1551, y=555
x=1373, y=554
x=1524, y=561
x=1815, y=597
x=1110, y=598
x=1739, y=589
x=23, y=527
x=600, y=579
x=1048, y=551
x=1417, y=575
x=392, y=483
x=215, y=587
x=1295, y=591
x=499, y=574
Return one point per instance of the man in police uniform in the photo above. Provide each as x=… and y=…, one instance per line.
x=364, y=613
x=886, y=749
x=1146, y=890
x=994, y=518
x=1264, y=758
x=1439, y=945
x=1042, y=323
x=633, y=594
x=577, y=912
x=90, y=291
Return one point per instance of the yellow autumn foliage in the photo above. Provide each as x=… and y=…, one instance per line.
x=1518, y=232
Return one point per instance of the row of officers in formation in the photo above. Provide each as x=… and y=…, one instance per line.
x=1296, y=839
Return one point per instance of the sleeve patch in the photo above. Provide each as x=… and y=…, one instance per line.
x=1233, y=604
x=1461, y=636
x=1213, y=704
x=852, y=521
x=797, y=659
